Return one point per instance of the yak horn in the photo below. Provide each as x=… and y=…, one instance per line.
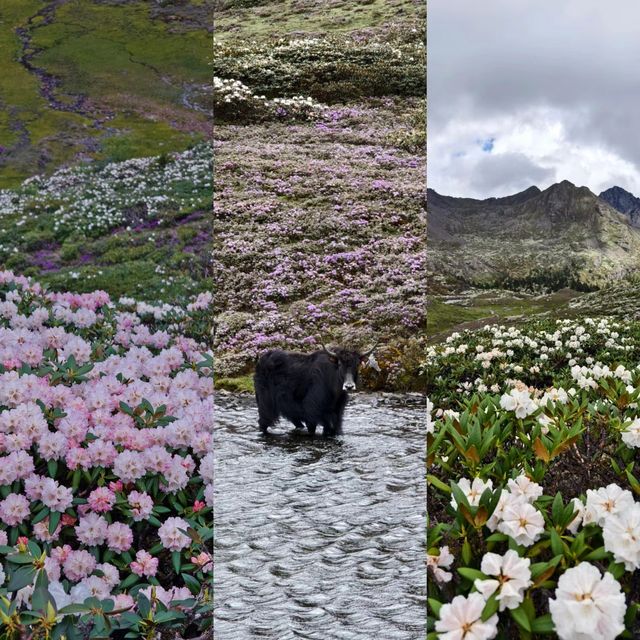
x=331, y=353
x=366, y=354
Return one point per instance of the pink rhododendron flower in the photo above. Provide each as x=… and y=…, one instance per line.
x=171, y=536
x=78, y=565
x=14, y=509
x=101, y=500
x=203, y=560
x=92, y=529
x=141, y=505
x=144, y=564
x=119, y=537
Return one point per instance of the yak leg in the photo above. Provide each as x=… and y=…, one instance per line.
x=339, y=413
x=311, y=428
x=327, y=428
x=298, y=424
x=267, y=416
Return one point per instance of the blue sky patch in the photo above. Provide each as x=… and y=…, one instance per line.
x=487, y=145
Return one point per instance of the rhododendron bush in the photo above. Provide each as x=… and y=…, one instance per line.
x=534, y=487
x=106, y=469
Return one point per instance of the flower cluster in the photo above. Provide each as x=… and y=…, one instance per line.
x=232, y=98
x=93, y=200
x=531, y=444
x=105, y=438
x=310, y=238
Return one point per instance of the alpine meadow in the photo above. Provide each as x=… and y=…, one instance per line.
x=106, y=389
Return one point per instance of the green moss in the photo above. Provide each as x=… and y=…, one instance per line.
x=243, y=384
x=140, y=137
x=129, y=53
x=249, y=19
x=121, y=255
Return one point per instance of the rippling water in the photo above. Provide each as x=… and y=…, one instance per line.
x=320, y=539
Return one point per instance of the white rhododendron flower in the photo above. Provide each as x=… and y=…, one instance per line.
x=577, y=520
x=631, y=435
x=525, y=487
x=430, y=422
x=512, y=578
x=435, y=562
x=461, y=619
x=519, y=402
x=496, y=516
x=621, y=534
x=587, y=605
x=606, y=501
x=473, y=491
x=523, y=522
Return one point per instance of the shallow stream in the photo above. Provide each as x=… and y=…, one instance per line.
x=321, y=539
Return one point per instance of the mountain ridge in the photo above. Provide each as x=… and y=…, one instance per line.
x=562, y=236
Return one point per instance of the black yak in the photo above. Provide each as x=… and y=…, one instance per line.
x=308, y=390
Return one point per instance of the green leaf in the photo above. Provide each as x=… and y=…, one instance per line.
x=144, y=605
x=435, y=606
x=471, y=574
x=21, y=578
x=616, y=569
x=52, y=467
x=466, y=552
x=33, y=547
x=54, y=520
x=129, y=581
x=20, y=558
x=168, y=616
x=191, y=583
x=39, y=599
x=497, y=537
x=597, y=554
x=458, y=494
x=490, y=608
x=74, y=608
x=42, y=514
x=176, y=560
x=431, y=480
x=556, y=510
x=543, y=624
x=75, y=482
x=520, y=616
x=556, y=543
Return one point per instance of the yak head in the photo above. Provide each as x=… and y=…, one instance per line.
x=347, y=363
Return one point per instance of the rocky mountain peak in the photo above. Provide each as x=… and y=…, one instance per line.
x=624, y=202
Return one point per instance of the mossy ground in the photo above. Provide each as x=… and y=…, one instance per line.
x=243, y=384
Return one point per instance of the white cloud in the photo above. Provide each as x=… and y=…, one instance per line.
x=555, y=83
x=532, y=146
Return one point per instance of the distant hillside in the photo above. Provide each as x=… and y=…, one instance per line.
x=564, y=236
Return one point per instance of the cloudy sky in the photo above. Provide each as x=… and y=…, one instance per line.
x=524, y=92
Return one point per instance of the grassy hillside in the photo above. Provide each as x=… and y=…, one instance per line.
x=243, y=19
x=91, y=79
x=140, y=227
x=319, y=182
